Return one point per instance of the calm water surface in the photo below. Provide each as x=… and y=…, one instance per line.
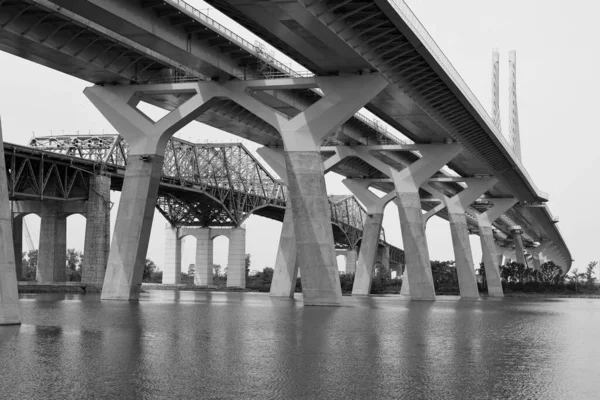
x=244, y=345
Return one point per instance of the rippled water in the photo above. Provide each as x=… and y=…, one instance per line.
x=244, y=345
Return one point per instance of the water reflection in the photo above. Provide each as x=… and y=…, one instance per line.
x=245, y=345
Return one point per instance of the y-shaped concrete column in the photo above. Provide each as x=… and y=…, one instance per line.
x=52, y=258
x=488, y=246
x=147, y=142
x=302, y=137
x=519, y=248
x=536, y=254
x=407, y=182
x=9, y=295
x=17, y=231
x=371, y=231
x=286, y=267
x=405, y=288
x=172, y=264
x=456, y=205
x=236, y=264
x=97, y=231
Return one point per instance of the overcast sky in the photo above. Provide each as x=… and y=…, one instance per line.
x=557, y=59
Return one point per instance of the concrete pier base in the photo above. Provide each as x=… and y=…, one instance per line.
x=286, y=268
x=17, y=232
x=416, y=251
x=312, y=228
x=172, y=262
x=490, y=265
x=467, y=281
x=351, y=259
x=52, y=258
x=519, y=248
x=132, y=228
x=97, y=231
x=236, y=264
x=367, y=255
x=405, y=288
x=203, y=273
x=9, y=295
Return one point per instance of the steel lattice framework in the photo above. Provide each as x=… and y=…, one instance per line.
x=212, y=184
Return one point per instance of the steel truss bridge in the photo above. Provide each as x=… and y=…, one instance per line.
x=216, y=185
x=150, y=41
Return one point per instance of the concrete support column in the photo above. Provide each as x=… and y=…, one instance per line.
x=351, y=256
x=286, y=268
x=367, y=256
x=519, y=248
x=9, y=295
x=285, y=272
x=365, y=264
x=97, y=231
x=385, y=259
x=172, y=263
x=17, y=232
x=536, y=255
x=52, y=258
x=489, y=249
x=407, y=183
x=147, y=141
x=203, y=273
x=459, y=230
x=236, y=264
x=302, y=137
x=405, y=288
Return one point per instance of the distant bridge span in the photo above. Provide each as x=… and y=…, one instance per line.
x=204, y=185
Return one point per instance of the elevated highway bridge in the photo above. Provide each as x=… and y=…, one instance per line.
x=356, y=53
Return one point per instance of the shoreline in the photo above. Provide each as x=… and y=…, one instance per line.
x=76, y=287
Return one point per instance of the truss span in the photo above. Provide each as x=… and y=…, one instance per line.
x=207, y=184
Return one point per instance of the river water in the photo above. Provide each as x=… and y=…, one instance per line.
x=202, y=345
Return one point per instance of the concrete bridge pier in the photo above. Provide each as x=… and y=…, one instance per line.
x=147, y=140
x=302, y=137
x=236, y=263
x=491, y=262
x=52, y=257
x=351, y=260
x=97, y=231
x=17, y=231
x=9, y=295
x=172, y=261
x=456, y=206
x=516, y=232
x=407, y=183
x=536, y=254
x=285, y=272
x=367, y=256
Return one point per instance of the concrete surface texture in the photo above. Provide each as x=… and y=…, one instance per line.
x=97, y=231
x=236, y=263
x=367, y=255
x=9, y=296
x=172, y=262
x=52, y=258
x=132, y=228
x=312, y=228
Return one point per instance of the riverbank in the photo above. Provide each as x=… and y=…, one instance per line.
x=82, y=288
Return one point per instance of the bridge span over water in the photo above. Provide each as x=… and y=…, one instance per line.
x=202, y=186
x=442, y=153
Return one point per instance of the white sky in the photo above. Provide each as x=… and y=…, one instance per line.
x=557, y=58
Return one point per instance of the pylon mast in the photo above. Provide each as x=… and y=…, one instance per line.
x=513, y=111
x=496, y=89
